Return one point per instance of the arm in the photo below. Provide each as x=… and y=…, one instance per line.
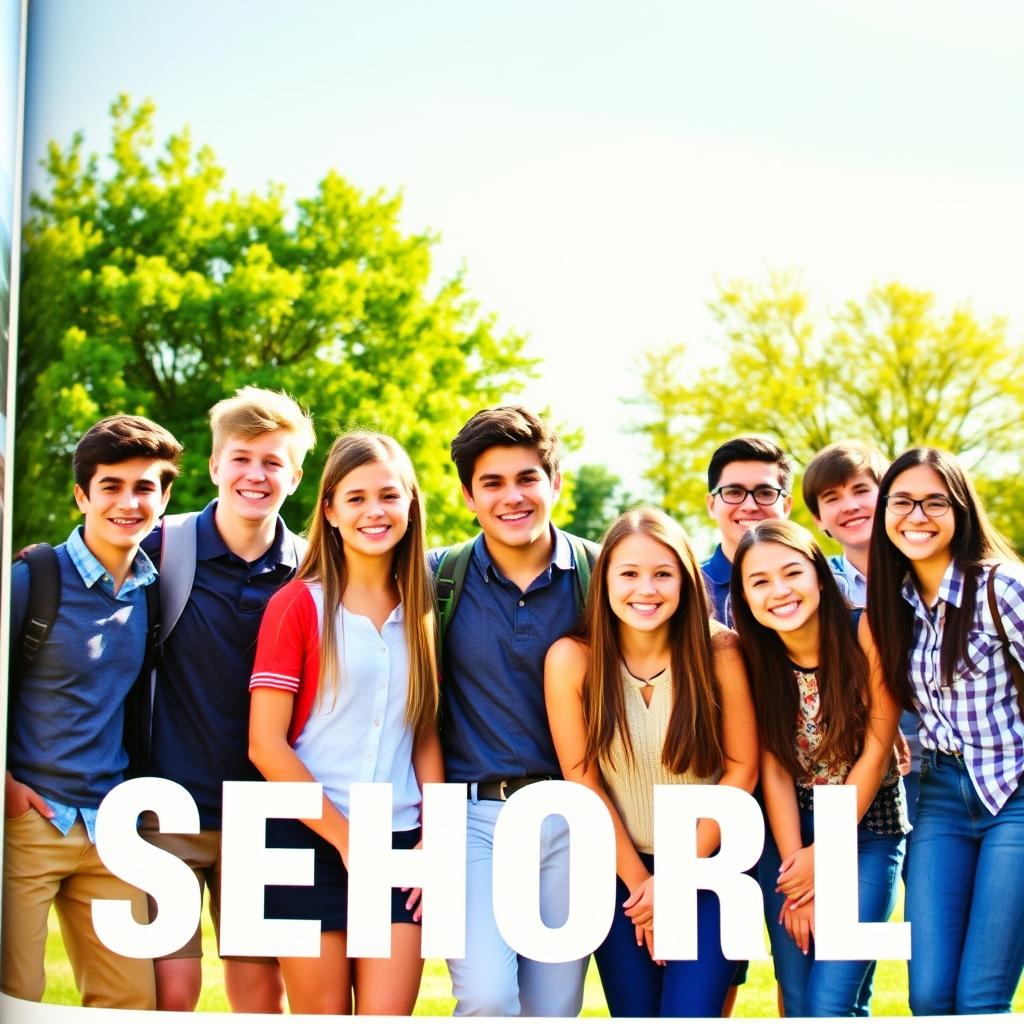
x=796, y=878
x=269, y=716
x=739, y=730
x=564, y=669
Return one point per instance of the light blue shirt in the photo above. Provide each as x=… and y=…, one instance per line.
x=852, y=582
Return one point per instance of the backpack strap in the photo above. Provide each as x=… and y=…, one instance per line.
x=449, y=579
x=138, y=705
x=1015, y=669
x=177, y=567
x=43, y=602
x=585, y=553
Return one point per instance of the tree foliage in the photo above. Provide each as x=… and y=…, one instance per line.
x=148, y=287
x=890, y=368
x=598, y=498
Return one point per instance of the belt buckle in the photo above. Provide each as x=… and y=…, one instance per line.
x=502, y=795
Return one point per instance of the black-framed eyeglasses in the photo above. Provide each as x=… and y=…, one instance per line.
x=934, y=506
x=733, y=494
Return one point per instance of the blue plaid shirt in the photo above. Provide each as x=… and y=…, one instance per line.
x=978, y=716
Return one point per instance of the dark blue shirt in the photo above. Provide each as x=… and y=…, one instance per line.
x=717, y=572
x=494, y=724
x=201, y=705
x=66, y=725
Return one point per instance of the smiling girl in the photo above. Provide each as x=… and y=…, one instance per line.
x=946, y=606
x=344, y=690
x=650, y=692
x=825, y=718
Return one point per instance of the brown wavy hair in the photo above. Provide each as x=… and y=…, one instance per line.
x=324, y=563
x=693, y=739
x=842, y=669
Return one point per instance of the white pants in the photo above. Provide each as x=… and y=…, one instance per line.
x=492, y=980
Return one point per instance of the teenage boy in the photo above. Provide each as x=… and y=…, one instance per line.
x=241, y=552
x=520, y=594
x=749, y=480
x=65, y=745
x=841, y=490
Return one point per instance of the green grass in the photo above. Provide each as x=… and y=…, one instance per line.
x=756, y=998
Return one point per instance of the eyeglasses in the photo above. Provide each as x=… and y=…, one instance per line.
x=933, y=507
x=733, y=494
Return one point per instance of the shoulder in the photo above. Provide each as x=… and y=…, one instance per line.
x=1008, y=585
x=725, y=648
x=152, y=543
x=293, y=599
x=566, y=662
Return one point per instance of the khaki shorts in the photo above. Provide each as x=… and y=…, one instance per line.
x=201, y=851
x=43, y=867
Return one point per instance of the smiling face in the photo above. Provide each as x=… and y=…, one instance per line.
x=370, y=509
x=733, y=520
x=644, y=582
x=781, y=587
x=254, y=475
x=123, y=503
x=512, y=496
x=846, y=511
x=925, y=541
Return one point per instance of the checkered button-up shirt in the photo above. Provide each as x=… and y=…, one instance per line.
x=978, y=716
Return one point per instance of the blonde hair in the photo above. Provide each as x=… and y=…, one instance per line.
x=253, y=411
x=325, y=564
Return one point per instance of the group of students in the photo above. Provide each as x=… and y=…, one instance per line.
x=520, y=656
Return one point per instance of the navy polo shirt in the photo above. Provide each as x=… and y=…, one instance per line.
x=201, y=706
x=65, y=734
x=494, y=724
x=717, y=572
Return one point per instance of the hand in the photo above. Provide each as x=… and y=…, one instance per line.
x=903, y=758
x=415, y=900
x=796, y=876
x=799, y=923
x=18, y=798
x=640, y=905
x=645, y=936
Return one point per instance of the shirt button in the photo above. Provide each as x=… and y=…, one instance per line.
x=383, y=650
x=522, y=604
x=376, y=724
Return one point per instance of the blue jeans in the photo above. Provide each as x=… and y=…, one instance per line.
x=965, y=898
x=635, y=986
x=832, y=988
x=492, y=980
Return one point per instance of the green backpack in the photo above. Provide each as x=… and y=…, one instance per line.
x=450, y=575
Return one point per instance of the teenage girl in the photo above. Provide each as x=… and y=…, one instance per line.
x=943, y=592
x=344, y=689
x=648, y=694
x=825, y=718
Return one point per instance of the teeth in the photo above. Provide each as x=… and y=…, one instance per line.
x=917, y=535
x=637, y=607
x=252, y=494
x=126, y=522
x=513, y=517
x=373, y=531
x=785, y=609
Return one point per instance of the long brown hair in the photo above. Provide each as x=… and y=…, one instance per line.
x=842, y=669
x=975, y=542
x=325, y=564
x=693, y=739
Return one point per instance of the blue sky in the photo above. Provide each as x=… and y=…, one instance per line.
x=597, y=166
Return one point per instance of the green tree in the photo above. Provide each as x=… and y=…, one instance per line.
x=890, y=368
x=598, y=498
x=148, y=287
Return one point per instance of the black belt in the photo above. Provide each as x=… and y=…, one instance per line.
x=502, y=789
